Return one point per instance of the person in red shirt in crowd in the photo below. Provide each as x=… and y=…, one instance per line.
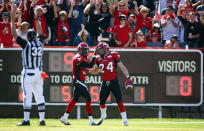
x=80, y=66
x=24, y=6
x=5, y=7
x=108, y=61
x=6, y=37
x=156, y=31
x=62, y=27
x=44, y=14
x=140, y=41
x=121, y=8
x=122, y=33
x=144, y=23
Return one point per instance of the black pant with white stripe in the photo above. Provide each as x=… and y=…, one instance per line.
x=80, y=89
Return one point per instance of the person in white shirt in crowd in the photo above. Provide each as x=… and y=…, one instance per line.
x=169, y=23
x=165, y=3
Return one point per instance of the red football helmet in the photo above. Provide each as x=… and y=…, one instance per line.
x=102, y=48
x=83, y=49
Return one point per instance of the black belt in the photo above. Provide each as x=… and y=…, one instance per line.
x=30, y=68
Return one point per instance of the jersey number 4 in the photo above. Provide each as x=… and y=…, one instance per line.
x=36, y=51
x=109, y=67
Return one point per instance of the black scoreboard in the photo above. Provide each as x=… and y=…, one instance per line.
x=161, y=77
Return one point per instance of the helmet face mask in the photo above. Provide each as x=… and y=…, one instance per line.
x=102, y=48
x=101, y=51
x=84, y=52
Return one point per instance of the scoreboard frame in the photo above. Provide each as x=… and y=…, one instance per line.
x=127, y=50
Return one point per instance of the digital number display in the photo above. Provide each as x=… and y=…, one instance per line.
x=178, y=85
x=164, y=77
x=139, y=95
x=60, y=62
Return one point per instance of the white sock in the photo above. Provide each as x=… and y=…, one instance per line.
x=124, y=116
x=103, y=112
x=90, y=118
x=26, y=115
x=42, y=116
x=66, y=115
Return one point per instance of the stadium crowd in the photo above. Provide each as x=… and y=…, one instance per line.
x=122, y=23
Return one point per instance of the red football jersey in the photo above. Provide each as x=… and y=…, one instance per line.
x=108, y=65
x=79, y=72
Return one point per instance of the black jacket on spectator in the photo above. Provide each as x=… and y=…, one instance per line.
x=190, y=29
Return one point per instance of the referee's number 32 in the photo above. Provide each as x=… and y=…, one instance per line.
x=37, y=51
x=108, y=67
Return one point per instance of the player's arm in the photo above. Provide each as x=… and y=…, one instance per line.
x=95, y=70
x=123, y=69
x=18, y=39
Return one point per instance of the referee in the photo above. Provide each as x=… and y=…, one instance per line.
x=32, y=52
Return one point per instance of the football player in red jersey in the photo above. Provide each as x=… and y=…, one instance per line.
x=80, y=66
x=107, y=62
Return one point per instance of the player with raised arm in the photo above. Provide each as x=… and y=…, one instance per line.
x=80, y=66
x=32, y=52
x=108, y=61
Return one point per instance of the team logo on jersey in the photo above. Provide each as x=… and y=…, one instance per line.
x=79, y=59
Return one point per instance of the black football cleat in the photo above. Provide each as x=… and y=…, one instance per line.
x=92, y=124
x=42, y=123
x=24, y=123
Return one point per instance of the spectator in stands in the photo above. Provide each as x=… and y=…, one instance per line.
x=62, y=28
x=105, y=20
x=154, y=41
x=77, y=19
x=83, y=36
x=122, y=33
x=192, y=30
x=163, y=4
x=119, y=8
x=144, y=23
x=147, y=3
x=5, y=7
x=140, y=39
x=200, y=8
x=45, y=15
x=24, y=7
x=156, y=30
x=169, y=23
x=6, y=37
x=23, y=30
x=172, y=43
x=132, y=22
x=92, y=11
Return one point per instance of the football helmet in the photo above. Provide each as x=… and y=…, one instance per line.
x=102, y=48
x=83, y=49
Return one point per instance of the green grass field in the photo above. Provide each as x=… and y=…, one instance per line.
x=108, y=125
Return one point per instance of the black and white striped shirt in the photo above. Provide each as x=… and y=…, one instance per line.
x=32, y=53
